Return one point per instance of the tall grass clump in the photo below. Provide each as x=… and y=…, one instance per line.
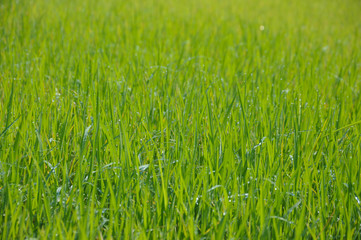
x=192, y=119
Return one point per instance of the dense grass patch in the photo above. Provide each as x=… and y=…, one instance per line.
x=180, y=119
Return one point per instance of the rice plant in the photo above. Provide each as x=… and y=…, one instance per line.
x=190, y=119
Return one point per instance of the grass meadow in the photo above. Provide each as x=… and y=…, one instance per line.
x=189, y=119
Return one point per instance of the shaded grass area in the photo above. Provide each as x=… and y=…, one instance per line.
x=192, y=119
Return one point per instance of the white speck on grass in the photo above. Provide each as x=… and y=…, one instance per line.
x=143, y=167
x=285, y=91
x=260, y=143
x=217, y=186
x=261, y=27
x=357, y=199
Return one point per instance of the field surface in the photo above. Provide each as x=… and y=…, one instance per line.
x=190, y=119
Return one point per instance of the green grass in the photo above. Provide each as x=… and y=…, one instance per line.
x=192, y=119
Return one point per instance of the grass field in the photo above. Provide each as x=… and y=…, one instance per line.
x=190, y=119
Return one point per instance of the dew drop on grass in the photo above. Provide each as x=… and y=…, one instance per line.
x=358, y=200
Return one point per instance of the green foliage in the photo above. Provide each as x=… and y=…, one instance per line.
x=193, y=119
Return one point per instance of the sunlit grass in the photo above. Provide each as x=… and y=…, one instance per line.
x=180, y=119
